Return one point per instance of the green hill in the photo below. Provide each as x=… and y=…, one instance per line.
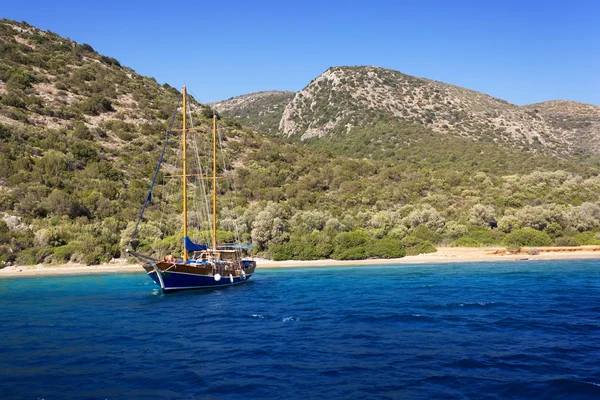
x=261, y=111
x=80, y=135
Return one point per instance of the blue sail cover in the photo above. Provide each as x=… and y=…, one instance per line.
x=191, y=246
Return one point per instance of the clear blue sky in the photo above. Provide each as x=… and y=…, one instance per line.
x=520, y=51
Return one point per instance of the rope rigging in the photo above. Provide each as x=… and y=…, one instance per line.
x=149, y=196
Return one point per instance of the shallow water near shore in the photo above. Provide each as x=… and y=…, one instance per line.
x=477, y=330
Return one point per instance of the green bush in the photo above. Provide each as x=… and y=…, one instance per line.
x=587, y=238
x=63, y=253
x=351, y=245
x=303, y=247
x=84, y=150
x=351, y=239
x=566, y=241
x=27, y=257
x=478, y=238
x=282, y=252
x=554, y=230
x=14, y=99
x=486, y=237
x=20, y=78
x=466, y=242
x=353, y=253
x=415, y=245
x=387, y=247
x=4, y=233
x=96, y=105
x=423, y=232
x=5, y=132
x=526, y=237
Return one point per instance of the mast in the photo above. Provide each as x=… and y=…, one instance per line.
x=214, y=216
x=184, y=150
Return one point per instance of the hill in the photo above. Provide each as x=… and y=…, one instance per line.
x=344, y=98
x=579, y=121
x=261, y=111
x=80, y=135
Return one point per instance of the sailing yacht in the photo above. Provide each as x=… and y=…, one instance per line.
x=199, y=266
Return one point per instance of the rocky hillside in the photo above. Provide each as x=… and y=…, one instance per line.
x=579, y=121
x=261, y=111
x=51, y=82
x=345, y=98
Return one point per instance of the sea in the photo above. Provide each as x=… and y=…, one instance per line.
x=508, y=330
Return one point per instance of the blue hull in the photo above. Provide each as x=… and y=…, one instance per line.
x=182, y=281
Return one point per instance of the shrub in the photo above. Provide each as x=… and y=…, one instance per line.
x=454, y=230
x=479, y=237
x=96, y=105
x=587, y=238
x=566, y=241
x=20, y=78
x=427, y=216
x=4, y=232
x=5, y=132
x=303, y=247
x=64, y=253
x=482, y=215
x=110, y=61
x=527, y=237
x=351, y=246
x=282, y=252
x=554, y=230
x=13, y=99
x=509, y=223
x=414, y=246
x=346, y=240
x=423, y=232
x=84, y=150
x=387, y=247
x=353, y=253
x=49, y=237
x=27, y=257
x=87, y=250
x=465, y=242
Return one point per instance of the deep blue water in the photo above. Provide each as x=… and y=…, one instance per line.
x=454, y=331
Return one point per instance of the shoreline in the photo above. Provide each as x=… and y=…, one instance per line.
x=444, y=255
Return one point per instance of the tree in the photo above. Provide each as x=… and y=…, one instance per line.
x=583, y=218
x=509, y=223
x=269, y=227
x=426, y=216
x=526, y=237
x=484, y=216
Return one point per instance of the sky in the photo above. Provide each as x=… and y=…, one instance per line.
x=520, y=51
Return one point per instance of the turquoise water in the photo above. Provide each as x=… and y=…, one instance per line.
x=454, y=331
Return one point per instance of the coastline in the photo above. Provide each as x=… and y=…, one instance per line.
x=444, y=255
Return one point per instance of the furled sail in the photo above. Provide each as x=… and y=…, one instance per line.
x=191, y=246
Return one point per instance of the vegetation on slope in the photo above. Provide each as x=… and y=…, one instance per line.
x=80, y=136
x=261, y=111
x=343, y=98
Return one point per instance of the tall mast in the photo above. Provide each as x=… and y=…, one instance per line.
x=214, y=216
x=184, y=150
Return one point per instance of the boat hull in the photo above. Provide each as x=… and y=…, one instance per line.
x=176, y=276
x=173, y=280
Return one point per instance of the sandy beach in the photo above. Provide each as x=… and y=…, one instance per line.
x=443, y=255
